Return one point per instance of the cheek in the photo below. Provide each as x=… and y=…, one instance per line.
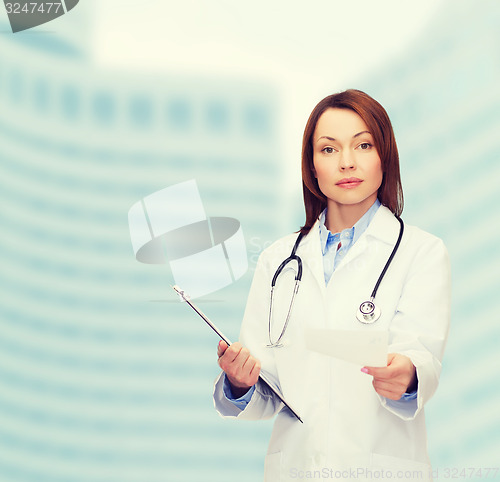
x=376, y=172
x=320, y=168
x=316, y=168
x=321, y=173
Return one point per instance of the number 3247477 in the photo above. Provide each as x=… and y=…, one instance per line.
x=33, y=7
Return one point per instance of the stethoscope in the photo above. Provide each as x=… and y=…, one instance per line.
x=368, y=312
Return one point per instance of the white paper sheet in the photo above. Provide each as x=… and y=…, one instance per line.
x=365, y=348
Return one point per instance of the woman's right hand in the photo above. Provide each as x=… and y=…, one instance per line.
x=241, y=368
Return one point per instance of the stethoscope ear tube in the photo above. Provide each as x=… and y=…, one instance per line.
x=281, y=267
x=292, y=257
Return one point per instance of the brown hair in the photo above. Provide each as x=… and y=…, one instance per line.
x=390, y=193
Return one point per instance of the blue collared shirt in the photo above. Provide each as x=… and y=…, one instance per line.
x=333, y=253
x=335, y=246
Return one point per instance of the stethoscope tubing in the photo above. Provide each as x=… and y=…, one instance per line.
x=363, y=317
x=389, y=260
x=292, y=257
x=298, y=278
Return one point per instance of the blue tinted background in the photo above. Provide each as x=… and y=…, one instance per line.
x=103, y=375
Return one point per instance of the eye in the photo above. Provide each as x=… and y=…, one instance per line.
x=365, y=146
x=328, y=150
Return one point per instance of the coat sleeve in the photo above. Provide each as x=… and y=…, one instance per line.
x=420, y=326
x=262, y=405
x=253, y=335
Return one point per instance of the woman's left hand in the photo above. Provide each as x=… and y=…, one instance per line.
x=397, y=378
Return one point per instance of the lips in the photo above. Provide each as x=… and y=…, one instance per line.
x=349, y=182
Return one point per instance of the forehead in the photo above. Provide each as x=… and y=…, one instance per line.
x=339, y=123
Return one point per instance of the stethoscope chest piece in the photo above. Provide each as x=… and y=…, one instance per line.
x=368, y=312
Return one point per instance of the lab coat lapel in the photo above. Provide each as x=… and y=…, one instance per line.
x=384, y=227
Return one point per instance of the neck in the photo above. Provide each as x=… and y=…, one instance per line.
x=345, y=216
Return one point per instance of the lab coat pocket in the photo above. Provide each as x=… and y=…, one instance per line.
x=400, y=469
x=272, y=467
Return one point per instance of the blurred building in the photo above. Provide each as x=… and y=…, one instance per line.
x=104, y=376
x=443, y=98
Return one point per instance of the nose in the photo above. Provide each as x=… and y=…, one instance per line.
x=346, y=161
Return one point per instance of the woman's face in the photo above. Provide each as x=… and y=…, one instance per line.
x=346, y=162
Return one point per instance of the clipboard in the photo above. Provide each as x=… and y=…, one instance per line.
x=264, y=378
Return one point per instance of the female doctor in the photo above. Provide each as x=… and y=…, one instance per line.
x=359, y=423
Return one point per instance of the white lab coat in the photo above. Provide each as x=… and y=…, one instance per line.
x=349, y=431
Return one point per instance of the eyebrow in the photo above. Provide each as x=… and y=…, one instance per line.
x=333, y=138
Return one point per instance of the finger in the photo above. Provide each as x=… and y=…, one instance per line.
x=241, y=359
x=381, y=373
x=388, y=394
x=396, y=388
x=388, y=390
x=233, y=361
x=221, y=348
x=255, y=372
x=402, y=367
x=232, y=352
x=245, y=376
x=385, y=373
x=250, y=371
x=249, y=364
x=390, y=358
